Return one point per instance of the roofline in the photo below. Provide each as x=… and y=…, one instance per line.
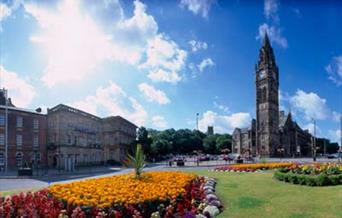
x=89, y=114
x=22, y=110
x=55, y=108
x=120, y=117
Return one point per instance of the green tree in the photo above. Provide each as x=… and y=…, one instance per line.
x=223, y=141
x=209, y=144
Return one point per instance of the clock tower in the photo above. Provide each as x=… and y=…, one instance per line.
x=267, y=102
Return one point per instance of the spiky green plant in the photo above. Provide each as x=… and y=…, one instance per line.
x=137, y=161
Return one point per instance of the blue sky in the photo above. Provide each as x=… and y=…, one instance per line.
x=158, y=63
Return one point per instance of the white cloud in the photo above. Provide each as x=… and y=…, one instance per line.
x=274, y=34
x=201, y=7
x=140, y=27
x=335, y=136
x=197, y=45
x=20, y=90
x=152, y=94
x=205, y=63
x=311, y=105
x=164, y=57
x=159, y=122
x=222, y=107
x=334, y=70
x=74, y=44
x=271, y=8
x=5, y=11
x=115, y=101
x=161, y=75
x=336, y=116
x=224, y=123
x=311, y=127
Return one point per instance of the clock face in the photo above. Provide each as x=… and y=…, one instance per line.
x=262, y=74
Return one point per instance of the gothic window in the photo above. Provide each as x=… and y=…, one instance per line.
x=264, y=94
x=259, y=95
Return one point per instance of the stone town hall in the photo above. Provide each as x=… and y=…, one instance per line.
x=272, y=133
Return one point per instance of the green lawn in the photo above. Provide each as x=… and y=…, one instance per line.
x=259, y=195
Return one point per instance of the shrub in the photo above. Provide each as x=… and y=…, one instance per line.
x=323, y=180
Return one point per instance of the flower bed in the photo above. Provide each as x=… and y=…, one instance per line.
x=252, y=167
x=156, y=194
x=311, y=174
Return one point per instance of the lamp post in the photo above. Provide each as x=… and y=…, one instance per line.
x=6, y=129
x=314, y=142
x=197, y=120
x=340, y=153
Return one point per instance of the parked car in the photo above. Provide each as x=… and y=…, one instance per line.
x=204, y=158
x=234, y=156
x=332, y=156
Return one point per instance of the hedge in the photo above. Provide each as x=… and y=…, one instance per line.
x=310, y=180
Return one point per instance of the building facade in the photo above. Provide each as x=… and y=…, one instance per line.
x=26, y=136
x=210, y=130
x=74, y=138
x=77, y=138
x=274, y=133
x=267, y=103
x=244, y=140
x=118, y=135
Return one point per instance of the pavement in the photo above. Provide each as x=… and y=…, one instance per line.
x=10, y=182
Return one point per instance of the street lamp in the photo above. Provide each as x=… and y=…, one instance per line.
x=6, y=128
x=314, y=141
x=197, y=120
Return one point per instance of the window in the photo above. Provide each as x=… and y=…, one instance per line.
x=35, y=124
x=2, y=120
x=19, y=141
x=2, y=139
x=19, y=158
x=35, y=141
x=2, y=159
x=69, y=139
x=19, y=122
x=35, y=156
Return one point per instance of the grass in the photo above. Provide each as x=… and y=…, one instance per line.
x=259, y=195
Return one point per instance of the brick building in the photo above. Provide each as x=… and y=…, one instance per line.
x=74, y=138
x=26, y=136
x=77, y=138
x=118, y=134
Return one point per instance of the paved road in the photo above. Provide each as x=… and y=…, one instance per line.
x=10, y=184
x=32, y=183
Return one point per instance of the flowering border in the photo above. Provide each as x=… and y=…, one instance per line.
x=198, y=201
x=253, y=167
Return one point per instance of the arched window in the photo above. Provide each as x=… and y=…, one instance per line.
x=19, y=157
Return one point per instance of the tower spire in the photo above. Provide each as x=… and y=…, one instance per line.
x=266, y=42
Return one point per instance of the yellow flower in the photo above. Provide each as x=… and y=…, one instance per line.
x=123, y=189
